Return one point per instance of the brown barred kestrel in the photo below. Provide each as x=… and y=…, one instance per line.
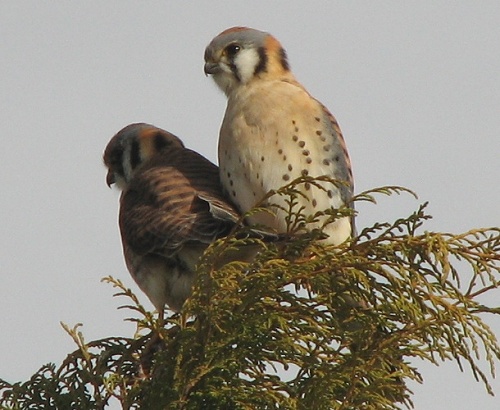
x=171, y=208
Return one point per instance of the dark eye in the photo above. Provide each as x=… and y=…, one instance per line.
x=232, y=50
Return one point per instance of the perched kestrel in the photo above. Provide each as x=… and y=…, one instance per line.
x=171, y=208
x=274, y=131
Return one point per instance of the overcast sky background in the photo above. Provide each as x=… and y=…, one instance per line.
x=415, y=87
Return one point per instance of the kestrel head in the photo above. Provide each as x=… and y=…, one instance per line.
x=239, y=55
x=132, y=146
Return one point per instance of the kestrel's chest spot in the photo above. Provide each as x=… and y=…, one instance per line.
x=302, y=148
x=269, y=141
x=239, y=178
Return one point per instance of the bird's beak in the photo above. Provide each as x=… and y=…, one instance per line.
x=211, y=68
x=110, y=178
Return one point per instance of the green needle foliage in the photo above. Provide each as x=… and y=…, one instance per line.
x=305, y=325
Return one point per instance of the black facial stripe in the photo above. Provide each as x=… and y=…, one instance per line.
x=262, y=66
x=284, y=60
x=160, y=142
x=116, y=161
x=120, y=170
x=135, y=157
x=234, y=70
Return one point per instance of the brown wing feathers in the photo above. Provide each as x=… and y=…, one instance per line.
x=162, y=209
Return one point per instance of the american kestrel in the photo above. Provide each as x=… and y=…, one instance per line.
x=274, y=131
x=171, y=208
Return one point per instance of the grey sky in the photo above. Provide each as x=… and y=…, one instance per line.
x=414, y=85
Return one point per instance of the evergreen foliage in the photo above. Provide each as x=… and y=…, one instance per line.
x=303, y=326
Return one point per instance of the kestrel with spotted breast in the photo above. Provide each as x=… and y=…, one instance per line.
x=274, y=131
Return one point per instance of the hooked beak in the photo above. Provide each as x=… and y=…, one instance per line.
x=211, y=68
x=110, y=178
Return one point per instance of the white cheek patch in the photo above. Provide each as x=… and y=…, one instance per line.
x=246, y=62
